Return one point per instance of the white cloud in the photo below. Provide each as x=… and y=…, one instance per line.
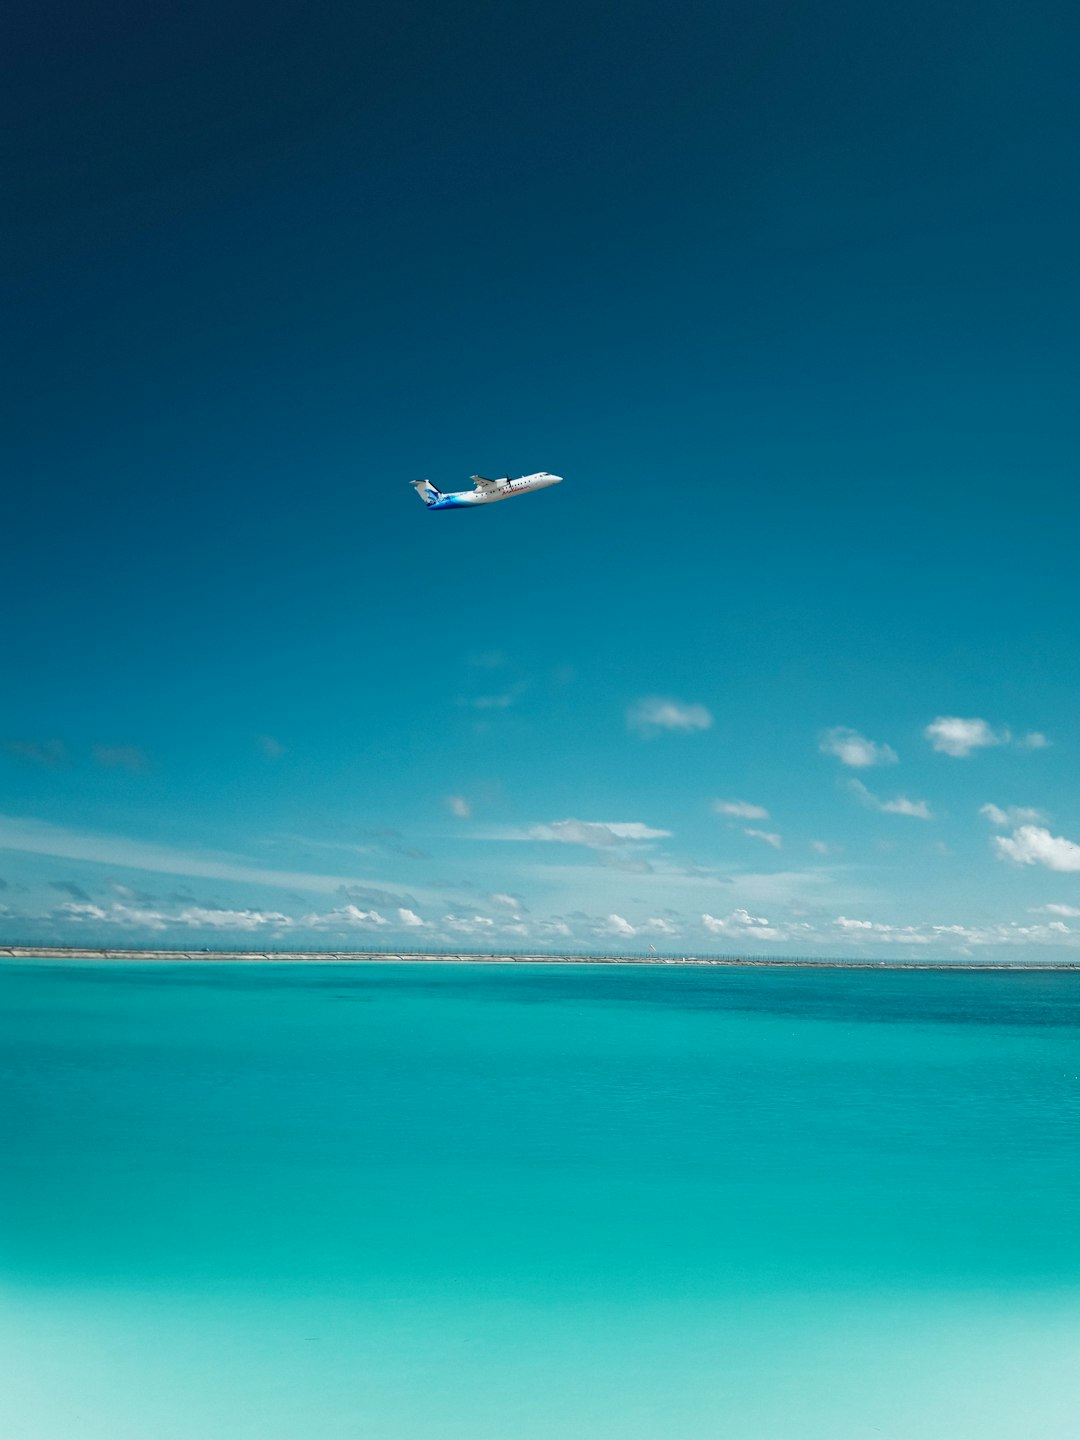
x=1033, y=740
x=616, y=925
x=881, y=933
x=901, y=805
x=459, y=806
x=467, y=924
x=740, y=809
x=409, y=918
x=1014, y=815
x=597, y=834
x=348, y=917
x=1034, y=845
x=191, y=917
x=1071, y=912
x=80, y=910
x=197, y=917
x=854, y=749
x=769, y=836
x=657, y=926
x=653, y=714
x=952, y=735
x=822, y=847
x=511, y=902
x=741, y=925
x=918, y=809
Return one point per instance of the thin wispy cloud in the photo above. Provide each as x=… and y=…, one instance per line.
x=1035, y=845
x=655, y=715
x=770, y=837
x=120, y=757
x=271, y=747
x=48, y=753
x=1033, y=740
x=38, y=837
x=459, y=807
x=69, y=887
x=501, y=701
x=851, y=748
x=899, y=805
x=597, y=834
x=740, y=810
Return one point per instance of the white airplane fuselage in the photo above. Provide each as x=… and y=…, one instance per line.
x=487, y=492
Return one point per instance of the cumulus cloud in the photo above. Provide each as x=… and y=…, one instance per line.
x=196, y=917
x=741, y=925
x=1034, y=845
x=656, y=925
x=901, y=805
x=467, y=924
x=510, y=902
x=1014, y=815
x=740, y=809
x=346, y=917
x=768, y=836
x=83, y=910
x=597, y=834
x=885, y=934
x=409, y=918
x=459, y=806
x=653, y=715
x=955, y=736
x=191, y=917
x=853, y=749
x=616, y=925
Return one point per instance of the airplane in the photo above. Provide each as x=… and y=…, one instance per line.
x=485, y=492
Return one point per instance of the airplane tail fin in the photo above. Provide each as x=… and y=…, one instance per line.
x=426, y=490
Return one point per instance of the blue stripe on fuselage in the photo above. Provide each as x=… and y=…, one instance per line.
x=451, y=502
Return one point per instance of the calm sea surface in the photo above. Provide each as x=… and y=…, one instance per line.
x=442, y=1202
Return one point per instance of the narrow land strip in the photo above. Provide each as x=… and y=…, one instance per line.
x=773, y=962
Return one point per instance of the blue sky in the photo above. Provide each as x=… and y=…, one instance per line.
x=788, y=295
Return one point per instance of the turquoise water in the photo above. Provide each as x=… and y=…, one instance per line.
x=437, y=1202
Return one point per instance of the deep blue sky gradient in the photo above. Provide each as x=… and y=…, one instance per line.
x=787, y=292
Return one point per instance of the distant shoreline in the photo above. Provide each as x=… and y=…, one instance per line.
x=394, y=957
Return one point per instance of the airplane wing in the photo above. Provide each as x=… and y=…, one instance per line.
x=486, y=486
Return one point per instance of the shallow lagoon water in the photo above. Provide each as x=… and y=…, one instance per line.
x=416, y=1201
